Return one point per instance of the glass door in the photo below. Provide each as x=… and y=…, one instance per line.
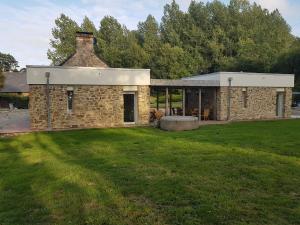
x=129, y=107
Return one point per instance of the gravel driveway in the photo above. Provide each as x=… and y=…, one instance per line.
x=14, y=121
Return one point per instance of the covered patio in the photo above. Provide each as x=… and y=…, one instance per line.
x=185, y=98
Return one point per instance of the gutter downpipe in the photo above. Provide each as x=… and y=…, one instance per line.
x=229, y=97
x=47, y=75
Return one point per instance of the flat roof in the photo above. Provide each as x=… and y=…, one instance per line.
x=247, y=79
x=14, y=82
x=70, y=75
x=84, y=67
x=183, y=83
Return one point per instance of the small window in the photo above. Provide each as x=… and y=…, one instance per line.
x=245, y=98
x=70, y=100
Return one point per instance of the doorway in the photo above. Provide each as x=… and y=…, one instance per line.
x=280, y=105
x=129, y=107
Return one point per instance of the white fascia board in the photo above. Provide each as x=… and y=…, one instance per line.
x=257, y=79
x=87, y=75
x=211, y=76
x=242, y=79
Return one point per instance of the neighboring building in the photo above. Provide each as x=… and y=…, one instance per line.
x=84, y=93
x=14, y=90
x=15, y=82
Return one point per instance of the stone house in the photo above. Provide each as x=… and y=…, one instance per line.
x=83, y=92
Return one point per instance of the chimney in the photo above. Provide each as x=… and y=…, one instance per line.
x=85, y=55
x=84, y=42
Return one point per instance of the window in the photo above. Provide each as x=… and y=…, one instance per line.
x=70, y=100
x=245, y=98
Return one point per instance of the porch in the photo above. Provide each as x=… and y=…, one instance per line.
x=184, y=98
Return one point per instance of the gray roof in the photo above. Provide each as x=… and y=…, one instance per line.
x=14, y=82
x=184, y=83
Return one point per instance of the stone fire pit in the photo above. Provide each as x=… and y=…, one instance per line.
x=179, y=123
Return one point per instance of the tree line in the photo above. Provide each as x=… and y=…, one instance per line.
x=209, y=37
x=7, y=64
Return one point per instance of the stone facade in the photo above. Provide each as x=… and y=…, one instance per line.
x=260, y=103
x=93, y=106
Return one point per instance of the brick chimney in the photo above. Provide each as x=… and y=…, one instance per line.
x=85, y=55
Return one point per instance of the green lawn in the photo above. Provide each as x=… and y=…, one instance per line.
x=241, y=173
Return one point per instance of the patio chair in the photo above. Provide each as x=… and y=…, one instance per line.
x=206, y=113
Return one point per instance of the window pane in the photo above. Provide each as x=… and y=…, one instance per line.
x=70, y=100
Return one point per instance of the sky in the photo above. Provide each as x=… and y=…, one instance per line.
x=26, y=24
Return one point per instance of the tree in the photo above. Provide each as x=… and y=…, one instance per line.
x=8, y=62
x=88, y=26
x=133, y=55
x=289, y=62
x=172, y=24
x=63, y=43
x=171, y=62
x=149, y=39
x=111, y=41
x=239, y=36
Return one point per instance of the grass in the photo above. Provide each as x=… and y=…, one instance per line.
x=241, y=173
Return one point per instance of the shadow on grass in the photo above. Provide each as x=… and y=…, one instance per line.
x=214, y=175
x=181, y=179
x=18, y=201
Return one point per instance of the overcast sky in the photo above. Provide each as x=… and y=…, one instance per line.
x=26, y=24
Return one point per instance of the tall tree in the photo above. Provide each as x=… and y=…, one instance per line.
x=63, y=43
x=172, y=24
x=111, y=41
x=88, y=26
x=149, y=39
x=8, y=62
x=208, y=37
x=289, y=62
x=133, y=55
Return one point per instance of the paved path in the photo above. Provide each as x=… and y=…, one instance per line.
x=18, y=120
x=14, y=121
x=296, y=112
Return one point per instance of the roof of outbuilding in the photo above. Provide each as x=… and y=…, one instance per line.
x=14, y=82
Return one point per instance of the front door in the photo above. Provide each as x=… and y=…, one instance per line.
x=129, y=108
x=280, y=105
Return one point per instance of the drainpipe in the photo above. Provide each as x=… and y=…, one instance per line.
x=47, y=75
x=229, y=98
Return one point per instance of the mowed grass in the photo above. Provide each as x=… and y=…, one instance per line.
x=240, y=173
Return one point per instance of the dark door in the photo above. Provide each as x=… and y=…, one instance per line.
x=128, y=108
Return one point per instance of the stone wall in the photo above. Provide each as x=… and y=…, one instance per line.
x=93, y=106
x=143, y=104
x=261, y=103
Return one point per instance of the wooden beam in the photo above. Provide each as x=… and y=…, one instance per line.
x=170, y=109
x=157, y=99
x=183, y=101
x=199, y=104
x=215, y=104
x=167, y=102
